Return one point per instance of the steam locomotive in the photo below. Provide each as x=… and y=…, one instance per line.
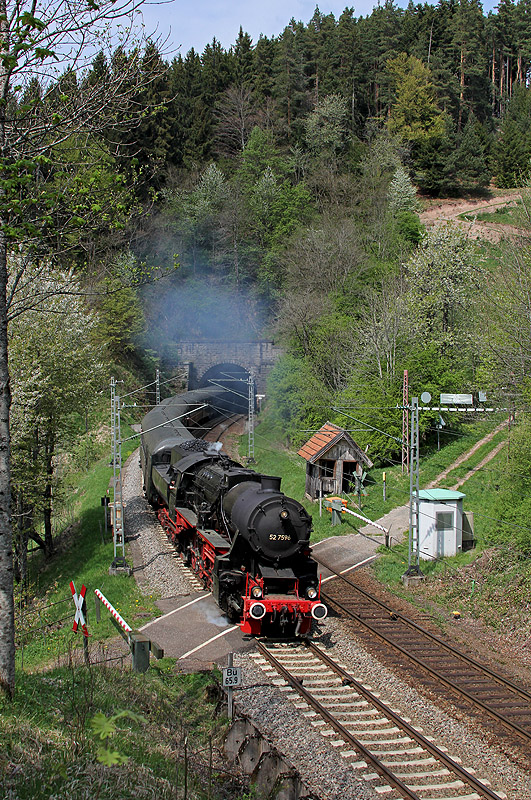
x=244, y=539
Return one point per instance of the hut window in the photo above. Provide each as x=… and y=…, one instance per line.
x=327, y=468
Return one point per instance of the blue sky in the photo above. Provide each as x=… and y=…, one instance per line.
x=194, y=23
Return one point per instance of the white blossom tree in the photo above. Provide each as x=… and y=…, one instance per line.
x=402, y=194
x=55, y=373
x=442, y=275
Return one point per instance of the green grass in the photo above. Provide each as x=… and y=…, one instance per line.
x=85, y=559
x=49, y=748
x=393, y=563
x=503, y=215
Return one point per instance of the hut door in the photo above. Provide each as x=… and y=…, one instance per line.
x=349, y=476
x=327, y=468
x=444, y=521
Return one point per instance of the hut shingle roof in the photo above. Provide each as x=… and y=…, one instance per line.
x=320, y=441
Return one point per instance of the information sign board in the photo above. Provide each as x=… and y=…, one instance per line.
x=232, y=676
x=456, y=399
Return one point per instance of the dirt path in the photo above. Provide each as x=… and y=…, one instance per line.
x=397, y=520
x=448, y=210
x=467, y=455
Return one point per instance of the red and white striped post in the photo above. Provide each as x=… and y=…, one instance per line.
x=140, y=645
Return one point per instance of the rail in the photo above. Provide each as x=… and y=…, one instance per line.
x=404, y=784
x=390, y=628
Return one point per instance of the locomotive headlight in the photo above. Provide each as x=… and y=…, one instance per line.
x=284, y=514
x=319, y=611
x=257, y=610
x=256, y=593
x=311, y=592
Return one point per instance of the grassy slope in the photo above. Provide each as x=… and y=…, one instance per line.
x=49, y=748
x=85, y=559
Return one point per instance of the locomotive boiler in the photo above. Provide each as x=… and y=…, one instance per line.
x=243, y=537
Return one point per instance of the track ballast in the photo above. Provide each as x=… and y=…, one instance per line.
x=440, y=665
x=392, y=756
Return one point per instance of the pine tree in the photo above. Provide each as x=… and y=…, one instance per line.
x=291, y=85
x=513, y=148
x=243, y=59
x=523, y=40
x=469, y=162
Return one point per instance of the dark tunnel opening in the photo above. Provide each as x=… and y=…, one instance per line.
x=232, y=377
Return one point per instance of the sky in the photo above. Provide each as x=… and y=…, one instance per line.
x=194, y=23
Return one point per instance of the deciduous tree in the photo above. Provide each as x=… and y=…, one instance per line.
x=56, y=372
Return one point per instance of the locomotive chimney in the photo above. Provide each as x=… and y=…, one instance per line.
x=269, y=483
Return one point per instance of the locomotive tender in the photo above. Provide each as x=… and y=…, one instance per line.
x=244, y=539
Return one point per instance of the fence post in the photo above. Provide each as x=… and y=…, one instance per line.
x=86, y=655
x=140, y=651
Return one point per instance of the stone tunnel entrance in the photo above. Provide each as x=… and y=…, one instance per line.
x=255, y=358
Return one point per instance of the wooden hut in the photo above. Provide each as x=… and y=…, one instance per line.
x=333, y=460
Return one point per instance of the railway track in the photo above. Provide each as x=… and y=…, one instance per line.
x=440, y=664
x=222, y=430
x=385, y=750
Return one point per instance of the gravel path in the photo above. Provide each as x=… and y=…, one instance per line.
x=450, y=210
x=157, y=568
x=158, y=571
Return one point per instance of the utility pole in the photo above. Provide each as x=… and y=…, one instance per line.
x=157, y=389
x=413, y=569
x=119, y=563
x=405, y=423
x=250, y=448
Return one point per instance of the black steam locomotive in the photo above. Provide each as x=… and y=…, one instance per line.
x=245, y=540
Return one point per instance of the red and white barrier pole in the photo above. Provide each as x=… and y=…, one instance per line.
x=123, y=624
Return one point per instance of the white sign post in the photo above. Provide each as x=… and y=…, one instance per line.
x=232, y=676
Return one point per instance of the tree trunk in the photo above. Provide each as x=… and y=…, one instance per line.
x=24, y=524
x=493, y=80
x=47, y=513
x=236, y=259
x=7, y=610
x=289, y=103
x=461, y=90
